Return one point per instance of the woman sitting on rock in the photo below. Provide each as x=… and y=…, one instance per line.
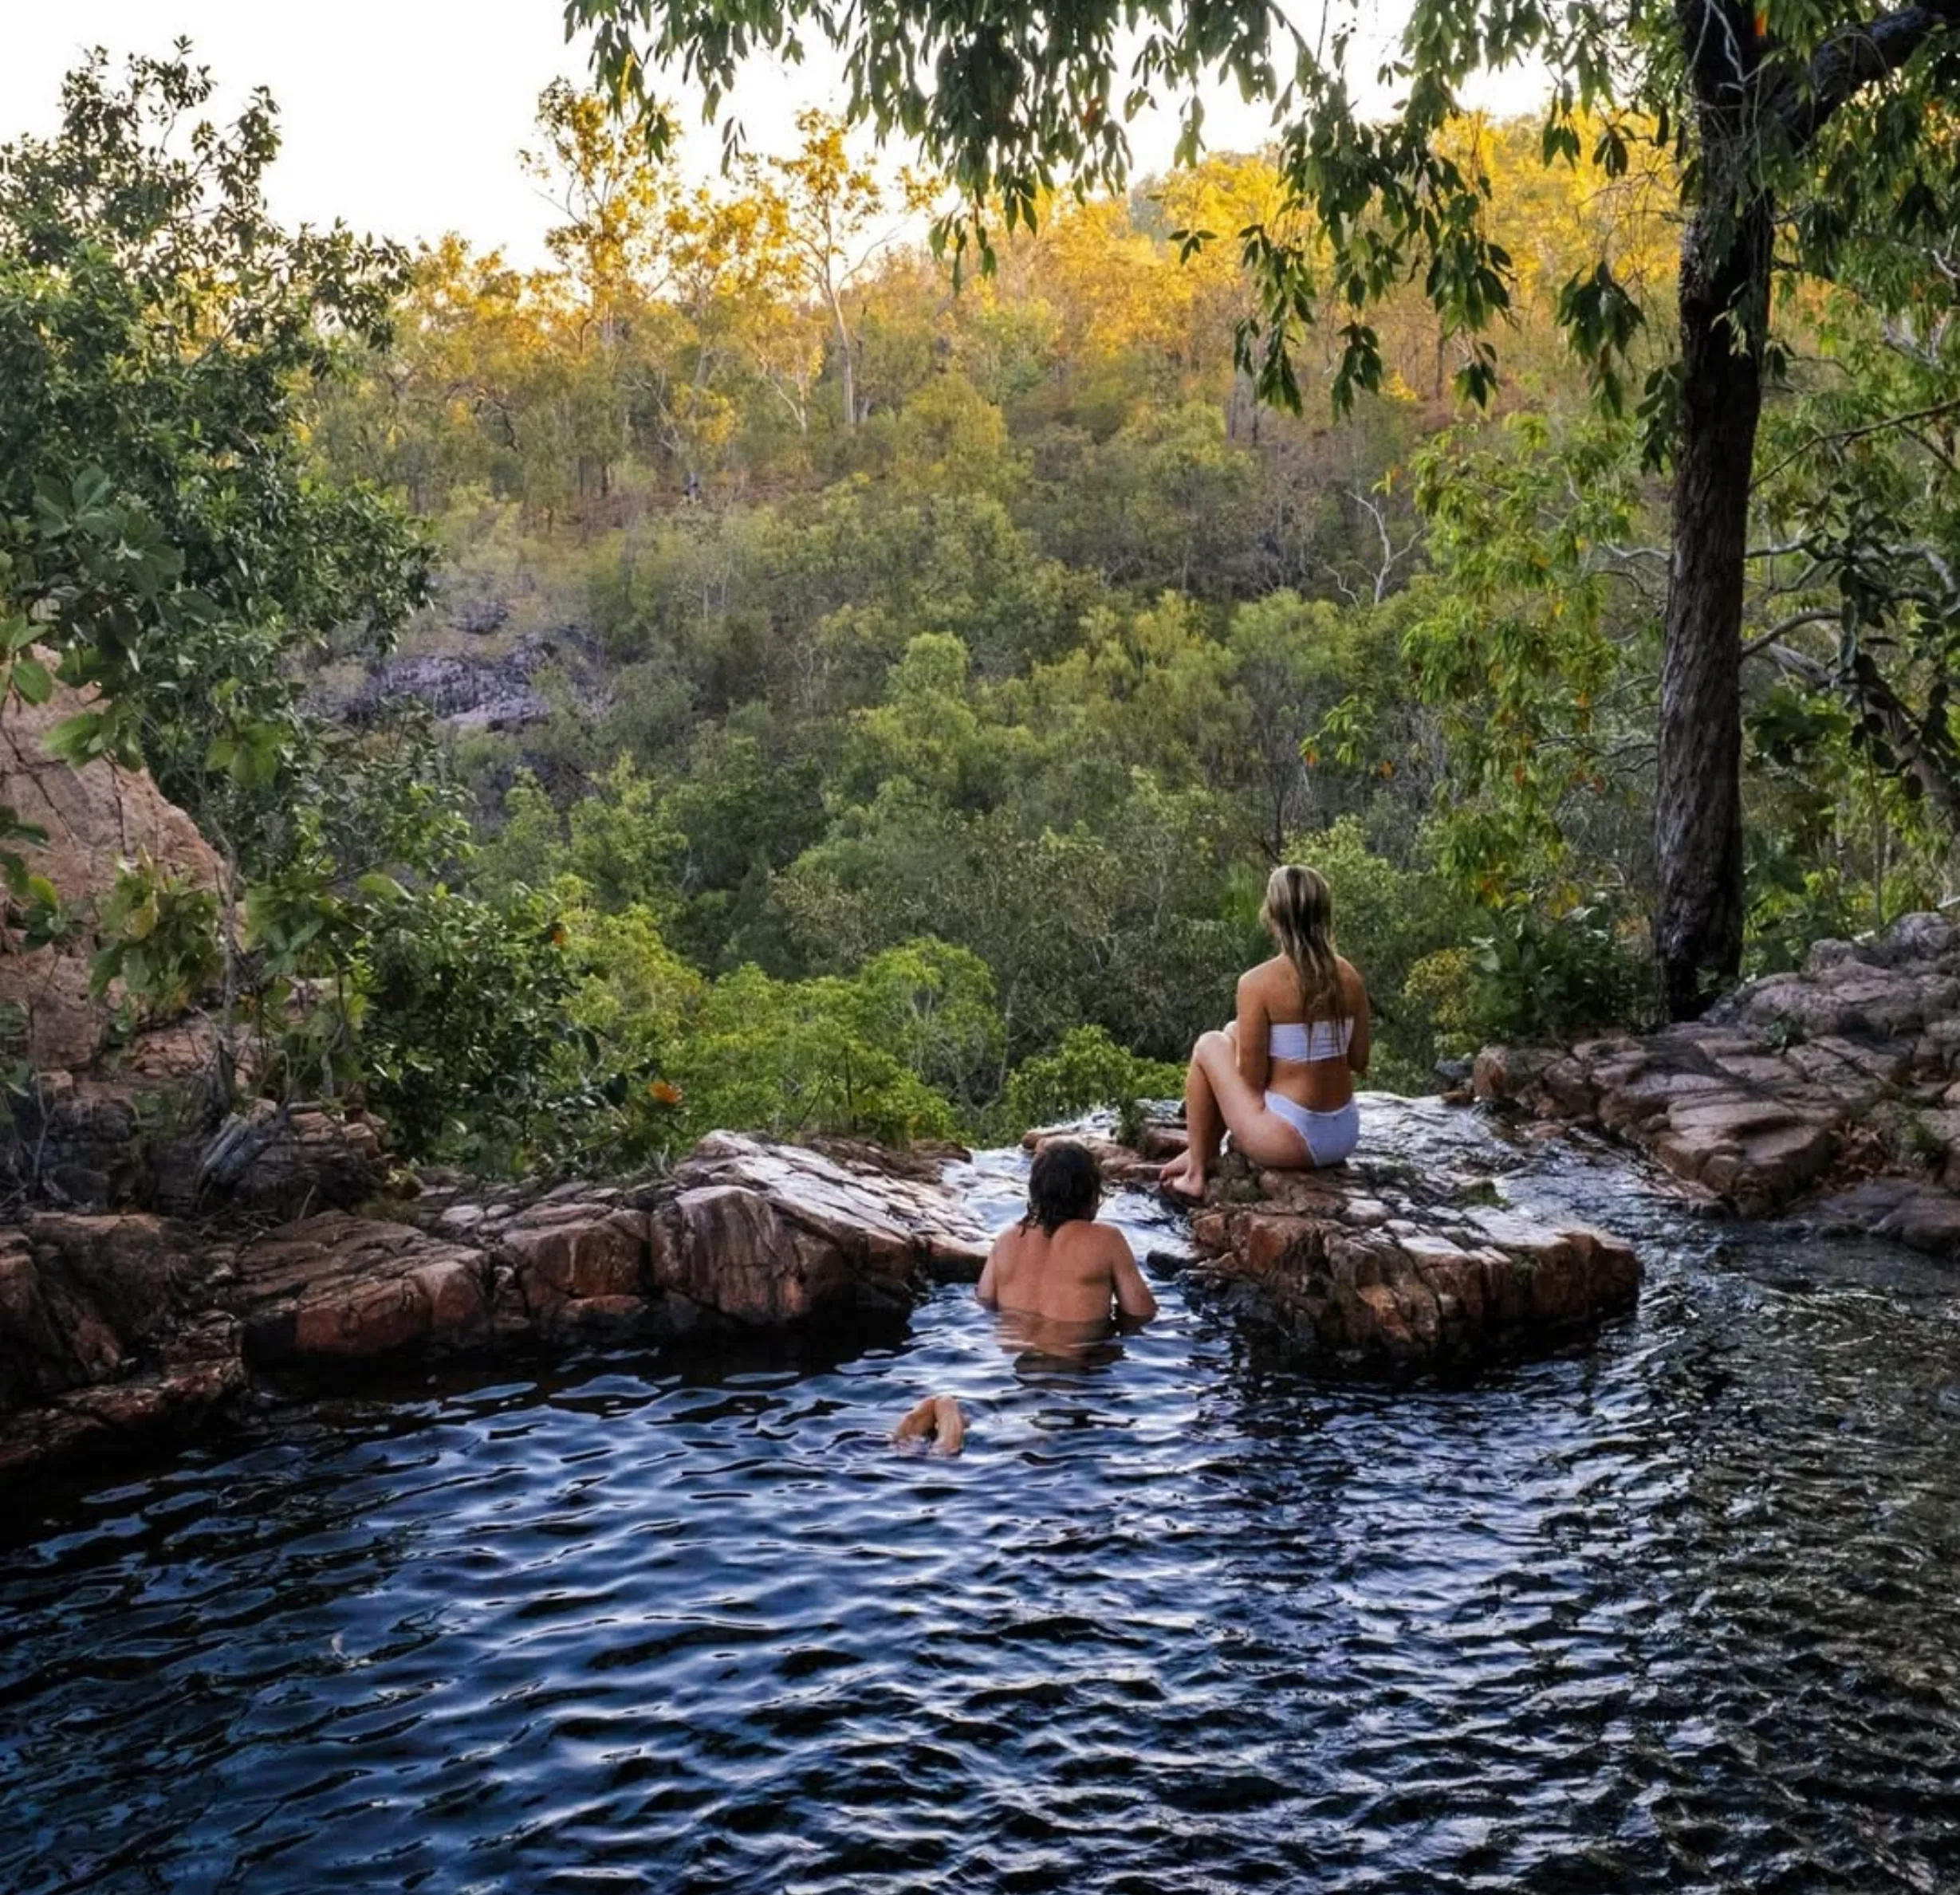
x=1281, y=1077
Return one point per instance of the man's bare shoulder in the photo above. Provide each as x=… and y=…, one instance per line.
x=1112, y=1245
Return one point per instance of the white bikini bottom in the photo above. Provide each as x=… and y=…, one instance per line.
x=1329, y=1136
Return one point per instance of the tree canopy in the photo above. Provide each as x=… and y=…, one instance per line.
x=1796, y=134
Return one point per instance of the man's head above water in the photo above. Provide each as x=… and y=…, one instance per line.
x=1064, y=1183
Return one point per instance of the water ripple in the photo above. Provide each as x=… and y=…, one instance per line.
x=1673, y=1612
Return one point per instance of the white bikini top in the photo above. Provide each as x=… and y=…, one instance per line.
x=1308, y=1041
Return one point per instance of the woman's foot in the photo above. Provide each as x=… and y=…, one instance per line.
x=1180, y=1179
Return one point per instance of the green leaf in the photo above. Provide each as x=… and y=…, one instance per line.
x=77, y=739
x=32, y=680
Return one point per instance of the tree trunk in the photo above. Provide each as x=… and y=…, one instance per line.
x=1697, y=815
x=846, y=367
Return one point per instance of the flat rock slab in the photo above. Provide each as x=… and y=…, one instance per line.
x=1793, y=1085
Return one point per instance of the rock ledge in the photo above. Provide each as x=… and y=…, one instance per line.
x=1837, y=1087
x=118, y=1331
x=1379, y=1267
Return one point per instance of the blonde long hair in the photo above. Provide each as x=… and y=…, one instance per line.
x=1299, y=910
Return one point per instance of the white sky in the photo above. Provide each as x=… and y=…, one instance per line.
x=404, y=117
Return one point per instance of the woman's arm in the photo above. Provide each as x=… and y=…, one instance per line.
x=1253, y=1037
x=1362, y=1042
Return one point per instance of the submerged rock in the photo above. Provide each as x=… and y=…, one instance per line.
x=1795, y=1084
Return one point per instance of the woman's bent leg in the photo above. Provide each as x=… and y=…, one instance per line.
x=1260, y=1133
x=1204, y=1128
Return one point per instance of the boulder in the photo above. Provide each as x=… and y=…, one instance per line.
x=1373, y=1267
x=754, y=1233
x=87, y=1299
x=576, y=1265
x=108, y=1339
x=97, y=817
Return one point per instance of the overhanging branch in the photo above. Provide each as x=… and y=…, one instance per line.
x=1849, y=61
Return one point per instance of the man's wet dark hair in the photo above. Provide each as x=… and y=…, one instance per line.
x=1064, y=1183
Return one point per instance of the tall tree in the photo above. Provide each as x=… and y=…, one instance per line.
x=832, y=210
x=1799, y=126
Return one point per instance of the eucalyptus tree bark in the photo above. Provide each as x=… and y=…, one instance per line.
x=1742, y=125
x=1724, y=308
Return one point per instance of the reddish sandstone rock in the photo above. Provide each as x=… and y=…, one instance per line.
x=194, y=1380
x=1788, y=1084
x=761, y=1234
x=86, y=1300
x=1374, y=1300
x=114, y=1329
x=1379, y=1266
x=579, y=1265
x=336, y=1290
x=107, y=1339
x=96, y=817
x=1120, y=1166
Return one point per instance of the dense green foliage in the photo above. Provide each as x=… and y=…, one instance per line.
x=900, y=752
x=1797, y=140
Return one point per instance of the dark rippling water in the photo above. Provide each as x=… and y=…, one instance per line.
x=1678, y=1612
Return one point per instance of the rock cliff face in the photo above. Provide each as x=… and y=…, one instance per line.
x=1837, y=1087
x=96, y=817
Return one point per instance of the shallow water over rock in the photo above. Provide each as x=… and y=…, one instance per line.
x=1674, y=1611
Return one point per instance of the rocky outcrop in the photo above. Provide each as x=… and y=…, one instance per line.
x=770, y=1234
x=110, y=1335
x=95, y=818
x=467, y=691
x=117, y=1328
x=1361, y=1274
x=1382, y=1266
x=1836, y=1086
x=336, y=1290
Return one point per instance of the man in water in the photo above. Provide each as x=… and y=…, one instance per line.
x=1068, y=1278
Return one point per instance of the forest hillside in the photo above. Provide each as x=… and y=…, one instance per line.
x=735, y=676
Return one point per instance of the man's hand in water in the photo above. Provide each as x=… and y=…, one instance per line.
x=936, y=1419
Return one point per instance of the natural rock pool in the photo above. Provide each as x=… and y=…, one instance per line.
x=1678, y=1611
